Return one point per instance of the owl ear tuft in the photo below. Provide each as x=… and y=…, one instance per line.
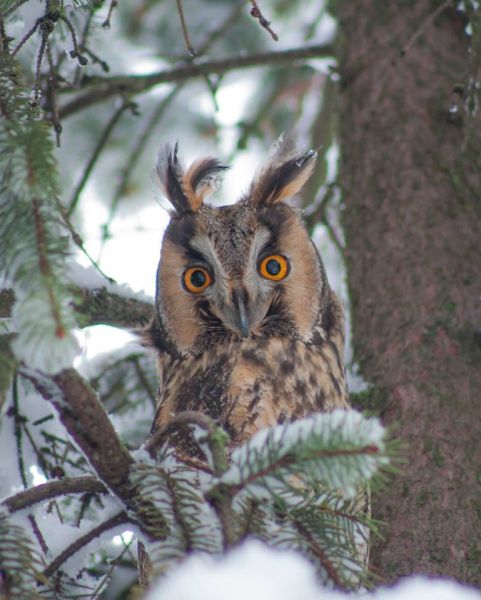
x=186, y=190
x=281, y=178
x=202, y=179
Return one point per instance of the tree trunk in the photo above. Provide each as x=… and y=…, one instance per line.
x=411, y=180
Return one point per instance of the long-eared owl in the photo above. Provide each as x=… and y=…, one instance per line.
x=246, y=327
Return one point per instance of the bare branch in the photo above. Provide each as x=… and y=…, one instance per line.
x=118, y=519
x=106, y=23
x=53, y=489
x=103, y=88
x=185, y=31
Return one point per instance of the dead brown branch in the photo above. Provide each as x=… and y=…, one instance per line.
x=103, y=88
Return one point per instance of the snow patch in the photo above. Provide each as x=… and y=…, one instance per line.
x=90, y=279
x=257, y=572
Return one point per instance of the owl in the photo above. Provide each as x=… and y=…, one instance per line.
x=246, y=327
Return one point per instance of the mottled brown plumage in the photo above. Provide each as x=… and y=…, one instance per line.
x=248, y=349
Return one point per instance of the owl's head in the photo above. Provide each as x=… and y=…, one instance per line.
x=230, y=272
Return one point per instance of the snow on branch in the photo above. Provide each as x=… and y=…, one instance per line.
x=96, y=300
x=339, y=449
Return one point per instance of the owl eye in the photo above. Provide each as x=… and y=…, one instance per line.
x=274, y=267
x=196, y=280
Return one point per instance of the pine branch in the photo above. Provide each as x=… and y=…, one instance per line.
x=86, y=421
x=33, y=244
x=78, y=544
x=100, y=89
x=54, y=489
x=321, y=556
x=217, y=440
x=20, y=563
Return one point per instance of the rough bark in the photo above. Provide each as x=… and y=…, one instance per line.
x=411, y=181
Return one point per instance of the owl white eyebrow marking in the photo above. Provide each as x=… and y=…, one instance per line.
x=202, y=244
x=261, y=238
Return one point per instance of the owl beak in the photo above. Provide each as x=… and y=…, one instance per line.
x=242, y=319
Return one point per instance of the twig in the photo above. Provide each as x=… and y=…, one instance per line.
x=13, y=8
x=53, y=489
x=82, y=47
x=106, y=23
x=318, y=215
x=320, y=554
x=45, y=268
x=96, y=59
x=53, y=96
x=113, y=564
x=43, y=463
x=257, y=14
x=46, y=29
x=334, y=237
x=143, y=380
x=26, y=37
x=18, y=431
x=421, y=29
x=95, y=155
x=185, y=31
x=21, y=463
x=103, y=88
x=118, y=519
x=38, y=533
x=77, y=240
x=75, y=53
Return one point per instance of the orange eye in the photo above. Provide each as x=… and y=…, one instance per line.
x=274, y=267
x=196, y=280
